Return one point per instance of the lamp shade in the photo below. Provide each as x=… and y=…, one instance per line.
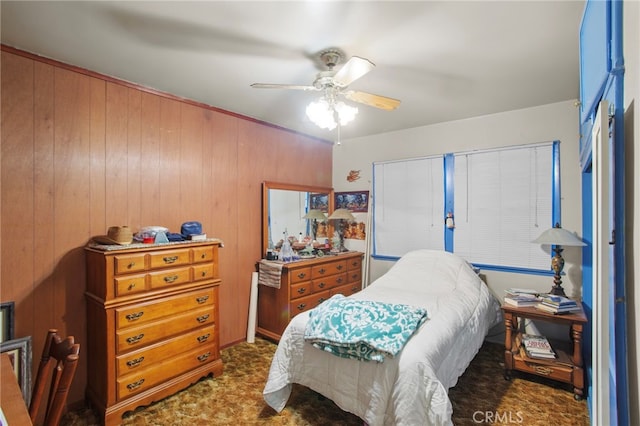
x=342, y=214
x=315, y=214
x=560, y=237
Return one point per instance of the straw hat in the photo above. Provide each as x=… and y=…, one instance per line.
x=121, y=235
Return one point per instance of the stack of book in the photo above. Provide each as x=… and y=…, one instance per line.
x=557, y=304
x=537, y=347
x=520, y=297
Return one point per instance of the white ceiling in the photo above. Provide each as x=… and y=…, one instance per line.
x=445, y=60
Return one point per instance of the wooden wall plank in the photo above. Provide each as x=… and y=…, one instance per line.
x=44, y=252
x=116, y=161
x=134, y=159
x=169, y=163
x=17, y=165
x=97, y=159
x=150, y=213
x=72, y=139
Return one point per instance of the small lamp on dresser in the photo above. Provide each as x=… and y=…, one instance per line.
x=341, y=215
x=317, y=216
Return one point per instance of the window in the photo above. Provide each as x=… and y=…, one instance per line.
x=501, y=200
x=408, y=204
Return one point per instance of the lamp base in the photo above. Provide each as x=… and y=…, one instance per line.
x=557, y=290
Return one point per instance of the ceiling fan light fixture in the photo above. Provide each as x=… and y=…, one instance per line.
x=324, y=113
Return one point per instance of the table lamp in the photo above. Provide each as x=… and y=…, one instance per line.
x=316, y=215
x=341, y=215
x=558, y=237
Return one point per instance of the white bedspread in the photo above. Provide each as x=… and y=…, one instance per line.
x=410, y=389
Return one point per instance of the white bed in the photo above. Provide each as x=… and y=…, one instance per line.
x=412, y=388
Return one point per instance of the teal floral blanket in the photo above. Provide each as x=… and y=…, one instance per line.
x=362, y=329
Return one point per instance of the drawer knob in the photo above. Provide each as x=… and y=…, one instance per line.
x=203, y=256
x=135, y=385
x=135, y=362
x=302, y=290
x=204, y=357
x=202, y=299
x=135, y=339
x=322, y=270
x=132, y=286
x=354, y=264
x=170, y=279
x=202, y=318
x=339, y=267
x=134, y=316
x=339, y=280
x=131, y=265
x=204, y=273
x=321, y=284
x=302, y=275
x=301, y=306
x=170, y=259
x=203, y=338
x=322, y=299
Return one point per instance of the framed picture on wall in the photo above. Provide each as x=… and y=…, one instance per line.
x=356, y=201
x=19, y=352
x=319, y=202
x=6, y=321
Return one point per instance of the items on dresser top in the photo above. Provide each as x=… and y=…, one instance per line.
x=153, y=315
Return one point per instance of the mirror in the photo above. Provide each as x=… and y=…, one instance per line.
x=284, y=207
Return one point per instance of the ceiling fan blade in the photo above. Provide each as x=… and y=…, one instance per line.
x=370, y=99
x=355, y=68
x=282, y=86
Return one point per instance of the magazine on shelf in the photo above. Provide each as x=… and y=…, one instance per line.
x=537, y=346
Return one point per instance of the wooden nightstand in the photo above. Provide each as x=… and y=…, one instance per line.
x=567, y=367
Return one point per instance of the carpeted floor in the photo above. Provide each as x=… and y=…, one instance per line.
x=482, y=396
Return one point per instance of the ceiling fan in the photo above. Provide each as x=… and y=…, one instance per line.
x=335, y=83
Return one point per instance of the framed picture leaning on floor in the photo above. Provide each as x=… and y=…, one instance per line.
x=19, y=352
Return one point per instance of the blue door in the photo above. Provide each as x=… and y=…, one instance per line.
x=601, y=79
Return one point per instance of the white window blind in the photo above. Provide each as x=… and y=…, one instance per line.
x=503, y=200
x=408, y=206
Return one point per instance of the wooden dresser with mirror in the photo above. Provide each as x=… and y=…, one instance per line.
x=304, y=283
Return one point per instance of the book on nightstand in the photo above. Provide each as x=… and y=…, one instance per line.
x=537, y=347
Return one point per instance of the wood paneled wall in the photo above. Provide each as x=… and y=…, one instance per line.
x=82, y=152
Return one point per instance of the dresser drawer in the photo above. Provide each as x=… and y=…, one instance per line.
x=354, y=264
x=126, y=263
x=145, y=312
x=331, y=281
x=203, y=272
x=144, y=379
x=130, y=284
x=202, y=254
x=354, y=276
x=328, y=269
x=141, y=359
x=162, y=259
x=299, y=274
x=305, y=303
x=301, y=289
x=162, y=279
x=137, y=337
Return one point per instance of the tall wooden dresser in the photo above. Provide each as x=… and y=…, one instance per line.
x=304, y=285
x=152, y=321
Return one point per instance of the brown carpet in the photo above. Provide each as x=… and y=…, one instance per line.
x=482, y=396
